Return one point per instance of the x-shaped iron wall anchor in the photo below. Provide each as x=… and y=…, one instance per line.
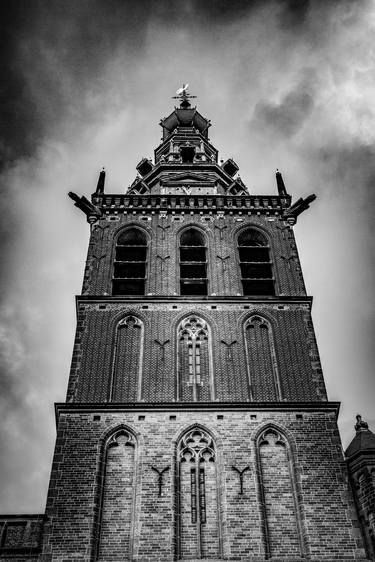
x=99, y=231
x=162, y=347
x=164, y=228
x=287, y=259
x=96, y=260
x=241, y=474
x=163, y=260
x=229, y=348
x=221, y=228
x=223, y=260
x=160, y=476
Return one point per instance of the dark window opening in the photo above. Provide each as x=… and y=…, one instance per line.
x=255, y=263
x=252, y=271
x=187, y=154
x=130, y=269
x=194, y=288
x=192, y=254
x=131, y=253
x=193, y=265
x=129, y=272
x=193, y=271
x=253, y=254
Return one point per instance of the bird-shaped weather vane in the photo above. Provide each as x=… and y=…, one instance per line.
x=183, y=95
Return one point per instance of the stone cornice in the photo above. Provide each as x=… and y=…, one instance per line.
x=250, y=204
x=195, y=301
x=175, y=407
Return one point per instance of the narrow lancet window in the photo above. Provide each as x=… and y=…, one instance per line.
x=255, y=263
x=129, y=273
x=198, y=531
x=117, y=511
x=194, y=384
x=281, y=527
x=193, y=263
x=127, y=363
x=262, y=361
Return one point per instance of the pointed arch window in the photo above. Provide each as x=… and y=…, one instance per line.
x=279, y=501
x=117, y=509
x=262, y=360
x=193, y=360
x=255, y=263
x=129, y=273
x=198, y=518
x=127, y=361
x=193, y=263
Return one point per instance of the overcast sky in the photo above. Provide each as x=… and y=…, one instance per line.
x=287, y=85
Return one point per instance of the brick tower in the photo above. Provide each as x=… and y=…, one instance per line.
x=196, y=424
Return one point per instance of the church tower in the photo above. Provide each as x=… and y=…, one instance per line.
x=196, y=424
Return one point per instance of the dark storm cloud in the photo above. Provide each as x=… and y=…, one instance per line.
x=51, y=52
x=286, y=117
x=61, y=49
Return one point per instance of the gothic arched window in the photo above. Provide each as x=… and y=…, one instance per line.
x=129, y=273
x=194, y=384
x=262, y=361
x=117, y=511
x=282, y=533
x=255, y=263
x=193, y=263
x=198, y=505
x=127, y=361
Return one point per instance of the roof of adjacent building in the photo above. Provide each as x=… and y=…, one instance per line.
x=364, y=440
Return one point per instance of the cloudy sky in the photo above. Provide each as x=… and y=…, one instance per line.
x=287, y=85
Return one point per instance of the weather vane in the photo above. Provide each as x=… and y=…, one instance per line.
x=183, y=95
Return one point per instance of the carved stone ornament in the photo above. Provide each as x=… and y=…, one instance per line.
x=197, y=446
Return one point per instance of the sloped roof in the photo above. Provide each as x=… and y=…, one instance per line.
x=364, y=441
x=185, y=118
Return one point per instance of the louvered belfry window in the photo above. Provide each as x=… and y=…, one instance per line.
x=129, y=275
x=255, y=263
x=193, y=263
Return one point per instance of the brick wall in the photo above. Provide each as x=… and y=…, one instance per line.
x=296, y=354
x=221, y=233
x=327, y=526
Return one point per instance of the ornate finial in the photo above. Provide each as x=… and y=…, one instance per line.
x=360, y=424
x=182, y=94
x=101, y=182
x=280, y=184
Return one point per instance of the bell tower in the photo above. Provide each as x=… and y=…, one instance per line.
x=196, y=424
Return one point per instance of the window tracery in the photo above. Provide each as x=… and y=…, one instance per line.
x=198, y=500
x=193, y=358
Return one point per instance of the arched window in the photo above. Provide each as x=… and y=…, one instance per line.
x=194, y=384
x=261, y=359
x=282, y=523
x=193, y=263
x=117, y=510
x=127, y=361
x=198, y=506
x=255, y=263
x=129, y=274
